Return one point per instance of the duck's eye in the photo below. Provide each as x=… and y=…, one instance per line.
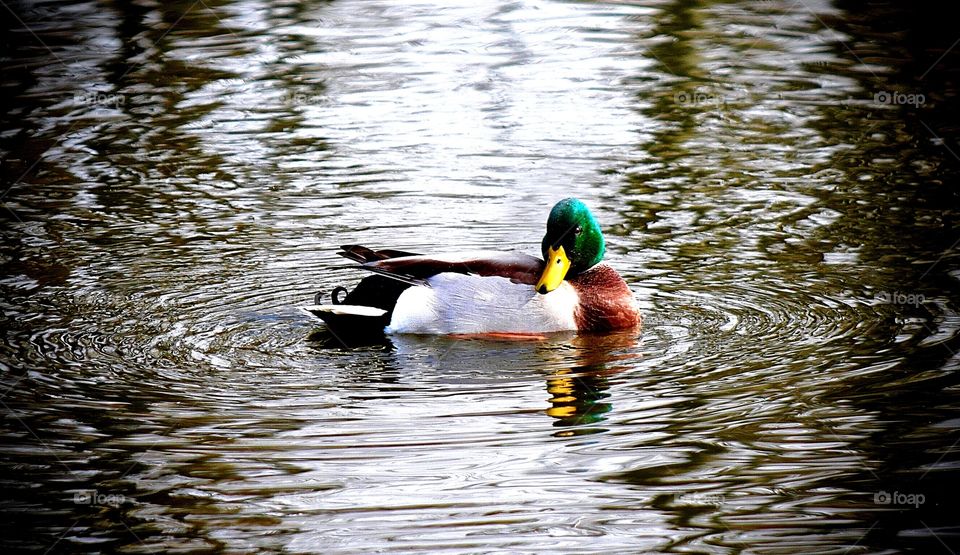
x=578, y=231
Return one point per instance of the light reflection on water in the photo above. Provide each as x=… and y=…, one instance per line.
x=180, y=176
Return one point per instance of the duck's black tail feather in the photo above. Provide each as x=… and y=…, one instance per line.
x=368, y=308
x=376, y=291
x=365, y=310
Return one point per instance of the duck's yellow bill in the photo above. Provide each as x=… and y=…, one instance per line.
x=557, y=266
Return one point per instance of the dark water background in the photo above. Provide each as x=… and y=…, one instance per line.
x=777, y=180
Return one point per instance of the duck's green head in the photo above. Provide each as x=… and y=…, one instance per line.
x=573, y=243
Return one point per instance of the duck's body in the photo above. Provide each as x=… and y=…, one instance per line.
x=480, y=293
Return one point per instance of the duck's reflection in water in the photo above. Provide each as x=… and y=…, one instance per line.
x=578, y=400
x=579, y=396
x=580, y=369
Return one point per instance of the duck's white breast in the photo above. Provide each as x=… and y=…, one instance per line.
x=467, y=304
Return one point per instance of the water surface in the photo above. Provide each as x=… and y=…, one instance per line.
x=777, y=182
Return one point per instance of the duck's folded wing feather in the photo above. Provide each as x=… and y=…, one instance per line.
x=517, y=267
x=362, y=254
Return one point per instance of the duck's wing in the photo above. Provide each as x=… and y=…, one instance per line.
x=361, y=254
x=517, y=267
x=366, y=256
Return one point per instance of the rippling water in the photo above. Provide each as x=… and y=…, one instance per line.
x=777, y=182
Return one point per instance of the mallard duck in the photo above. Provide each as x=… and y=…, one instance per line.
x=475, y=293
